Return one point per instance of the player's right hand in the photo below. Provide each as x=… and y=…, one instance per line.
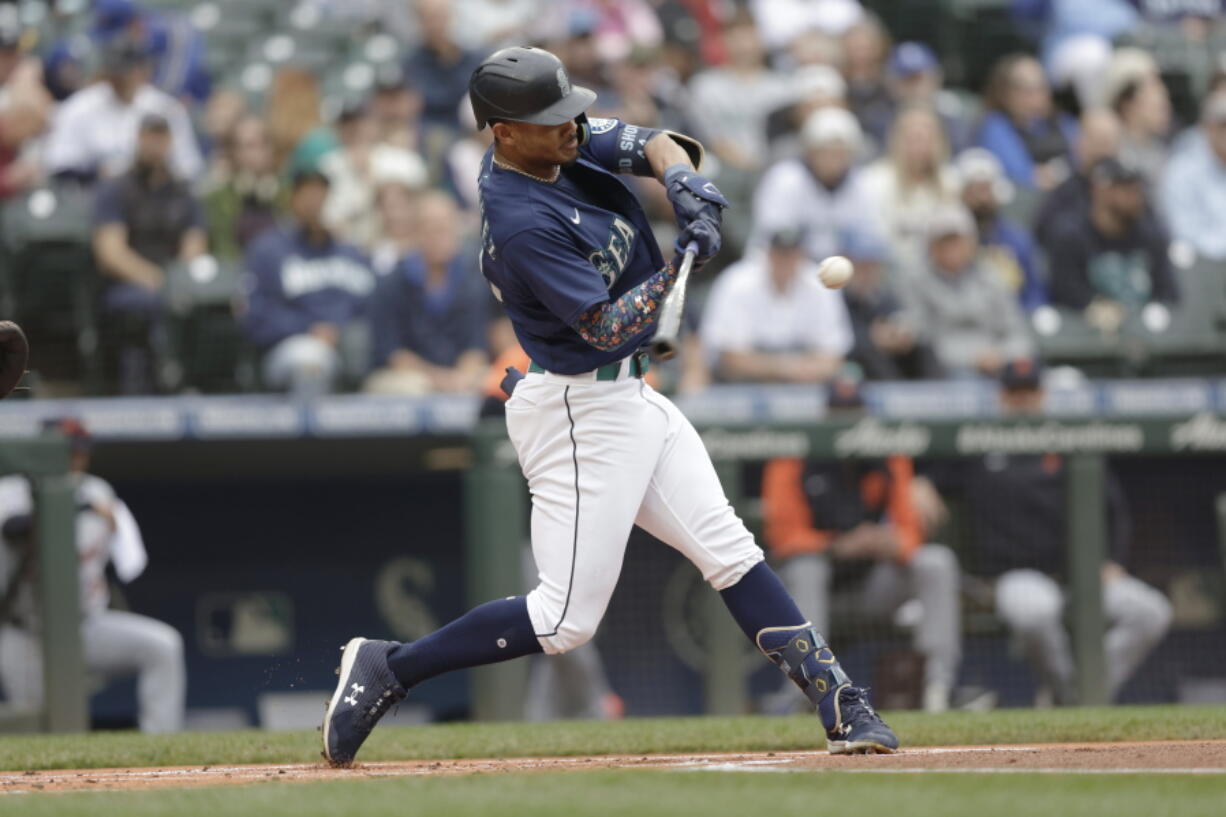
x=705, y=234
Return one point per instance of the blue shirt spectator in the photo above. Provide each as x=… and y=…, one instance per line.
x=307, y=296
x=439, y=66
x=1194, y=188
x=177, y=48
x=1031, y=139
x=429, y=319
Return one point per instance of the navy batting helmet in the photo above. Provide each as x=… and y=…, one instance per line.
x=527, y=85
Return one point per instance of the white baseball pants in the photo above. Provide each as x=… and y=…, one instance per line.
x=601, y=457
x=116, y=643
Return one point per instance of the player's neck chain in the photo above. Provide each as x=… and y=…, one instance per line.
x=505, y=165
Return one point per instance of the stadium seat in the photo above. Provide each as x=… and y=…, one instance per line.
x=1188, y=339
x=205, y=344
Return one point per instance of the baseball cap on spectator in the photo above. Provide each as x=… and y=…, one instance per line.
x=399, y=167
x=1128, y=66
x=912, y=58
x=1112, y=171
x=112, y=16
x=818, y=81
x=981, y=165
x=352, y=111
x=790, y=237
x=123, y=54
x=864, y=246
x=951, y=220
x=844, y=393
x=309, y=175
x=1021, y=374
x=72, y=428
x=831, y=126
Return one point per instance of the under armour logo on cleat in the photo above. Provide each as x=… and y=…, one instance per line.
x=352, y=700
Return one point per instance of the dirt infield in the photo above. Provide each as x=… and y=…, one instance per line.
x=1170, y=757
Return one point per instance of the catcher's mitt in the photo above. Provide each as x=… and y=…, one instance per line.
x=14, y=355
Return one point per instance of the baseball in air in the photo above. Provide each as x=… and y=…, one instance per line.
x=835, y=271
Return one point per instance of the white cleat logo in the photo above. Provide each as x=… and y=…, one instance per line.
x=575, y=218
x=352, y=700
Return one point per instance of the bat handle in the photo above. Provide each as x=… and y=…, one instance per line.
x=664, y=346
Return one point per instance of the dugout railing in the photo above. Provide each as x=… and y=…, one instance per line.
x=44, y=461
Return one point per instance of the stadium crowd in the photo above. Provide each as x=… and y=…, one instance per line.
x=275, y=231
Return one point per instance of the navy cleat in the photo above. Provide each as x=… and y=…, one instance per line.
x=366, y=690
x=852, y=727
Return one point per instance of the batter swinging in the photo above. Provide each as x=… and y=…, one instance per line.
x=570, y=253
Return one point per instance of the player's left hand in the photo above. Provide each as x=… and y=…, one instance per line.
x=14, y=355
x=693, y=196
x=703, y=232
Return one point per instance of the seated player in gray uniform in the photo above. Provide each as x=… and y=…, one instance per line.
x=1018, y=523
x=116, y=643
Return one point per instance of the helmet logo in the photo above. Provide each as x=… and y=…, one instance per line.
x=563, y=82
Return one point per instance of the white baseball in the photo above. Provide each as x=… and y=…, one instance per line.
x=835, y=271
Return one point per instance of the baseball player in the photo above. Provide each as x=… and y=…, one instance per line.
x=115, y=642
x=569, y=251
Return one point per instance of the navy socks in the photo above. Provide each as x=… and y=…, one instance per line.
x=759, y=600
x=495, y=631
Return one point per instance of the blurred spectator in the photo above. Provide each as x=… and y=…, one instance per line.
x=350, y=210
x=866, y=46
x=823, y=191
x=730, y=104
x=439, y=66
x=1030, y=137
x=115, y=643
x=782, y=21
x=291, y=110
x=25, y=108
x=615, y=28
x=396, y=108
x=307, y=294
x=94, y=132
x=144, y=221
x=1077, y=37
x=1194, y=189
x=398, y=189
x=243, y=192
x=769, y=319
x=64, y=66
x=885, y=346
x=488, y=25
x=1111, y=257
x=176, y=47
x=1005, y=247
x=972, y=322
x=854, y=524
x=428, y=317
x=464, y=159
x=1098, y=139
x=1144, y=108
x=812, y=87
x=1018, y=519
x=221, y=113
x=915, y=78
x=912, y=179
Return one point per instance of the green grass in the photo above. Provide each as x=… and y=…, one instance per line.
x=650, y=793
x=646, y=735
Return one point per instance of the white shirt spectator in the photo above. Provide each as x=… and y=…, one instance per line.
x=789, y=195
x=746, y=313
x=489, y=24
x=781, y=21
x=94, y=130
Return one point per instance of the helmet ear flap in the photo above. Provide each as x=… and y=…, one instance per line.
x=585, y=129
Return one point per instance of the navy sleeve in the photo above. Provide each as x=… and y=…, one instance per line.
x=195, y=213
x=619, y=147
x=385, y=321
x=108, y=205
x=1069, y=281
x=1164, y=288
x=547, y=261
x=270, y=318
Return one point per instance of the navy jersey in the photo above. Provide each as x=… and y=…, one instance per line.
x=553, y=251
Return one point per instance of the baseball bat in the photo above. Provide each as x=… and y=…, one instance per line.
x=664, y=343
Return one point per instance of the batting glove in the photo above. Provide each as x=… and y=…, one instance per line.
x=693, y=196
x=705, y=234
